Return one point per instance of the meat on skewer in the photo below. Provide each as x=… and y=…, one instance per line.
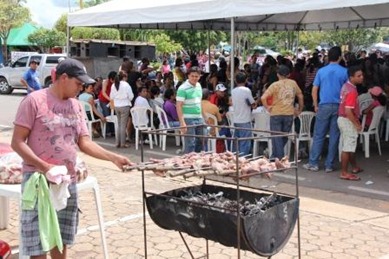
x=205, y=163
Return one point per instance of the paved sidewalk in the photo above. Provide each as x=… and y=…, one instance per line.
x=328, y=230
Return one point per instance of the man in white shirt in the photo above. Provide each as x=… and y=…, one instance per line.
x=242, y=102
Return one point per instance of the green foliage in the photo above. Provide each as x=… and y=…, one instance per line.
x=139, y=34
x=48, y=38
x=12, y=15
x=87, y=32
x=95, y=33
x=289, y=40
x=355, y=38
x=194, y=40
x=156, y=65
x=164, y=44
x=61, y=23
x=93, y=3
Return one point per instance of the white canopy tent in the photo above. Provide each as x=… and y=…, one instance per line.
x=235, y=15
x=248, y=14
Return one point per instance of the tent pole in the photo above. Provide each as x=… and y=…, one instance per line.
x=232, y=54
x=209, y=48
x=297, y=42
x=67, y=41
x=68, y=33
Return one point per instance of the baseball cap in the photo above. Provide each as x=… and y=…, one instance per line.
x=220, y=87
x=283, y=70
x=34, y=61
x=376, y=91
x=74, y=68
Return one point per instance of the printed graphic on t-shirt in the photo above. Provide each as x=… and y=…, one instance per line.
x=59, y=133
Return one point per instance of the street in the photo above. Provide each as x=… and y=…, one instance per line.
x=371, y=192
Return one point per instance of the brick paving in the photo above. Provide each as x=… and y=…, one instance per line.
x=328, y=230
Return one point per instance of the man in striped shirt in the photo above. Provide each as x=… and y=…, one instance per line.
x=189, y=111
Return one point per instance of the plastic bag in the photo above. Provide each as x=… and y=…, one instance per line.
x=11, y=168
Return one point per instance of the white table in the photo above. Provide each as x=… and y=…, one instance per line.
x=9, y=191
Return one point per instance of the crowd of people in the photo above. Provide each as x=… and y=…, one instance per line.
x=338, y=87
x=282, y=85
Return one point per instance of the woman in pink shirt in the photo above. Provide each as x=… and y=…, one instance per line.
x=165, y=68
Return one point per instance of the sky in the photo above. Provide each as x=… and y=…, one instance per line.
x=46, y=12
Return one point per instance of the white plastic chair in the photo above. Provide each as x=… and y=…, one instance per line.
x=164, y=125
x=89, y=123
x=304, y=133
x=261, y=122
x=141, y=122
x=230, y=119
x=212, y=141
x=13, y=191
x=364, y=101
x=372, y=130
x=111, y=119
x=386, y=121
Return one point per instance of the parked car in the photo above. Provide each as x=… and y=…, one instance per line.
x=263, y=52
x=10, y=75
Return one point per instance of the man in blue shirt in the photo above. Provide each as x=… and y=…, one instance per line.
x=31, y=78
x=328, y=82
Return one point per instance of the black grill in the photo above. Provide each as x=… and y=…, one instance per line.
x=264, y=233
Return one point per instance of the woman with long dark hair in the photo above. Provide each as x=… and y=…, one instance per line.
x=122, y=95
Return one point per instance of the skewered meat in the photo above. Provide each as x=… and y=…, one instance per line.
x=203, y=163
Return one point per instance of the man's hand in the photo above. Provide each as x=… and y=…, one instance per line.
x=121, y=162
x=359, y=128
x=103, y=119
x=297, y=112
x=316, y=108
x=183, y=129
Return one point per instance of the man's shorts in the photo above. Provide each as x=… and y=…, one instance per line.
x=67, y=219
x=348, y=135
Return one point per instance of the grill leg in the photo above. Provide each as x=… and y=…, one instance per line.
x=186, y=244
x=207, y=248
x=190, y=252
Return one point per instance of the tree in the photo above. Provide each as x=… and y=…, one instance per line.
x=61, y=23
x=164, y=44
x=95, y=33
x=139, y=34
x=12, y=15
x=195, y=40
x=93, y=2
x=86, y=32
x=353, y=38
x=48, y=38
